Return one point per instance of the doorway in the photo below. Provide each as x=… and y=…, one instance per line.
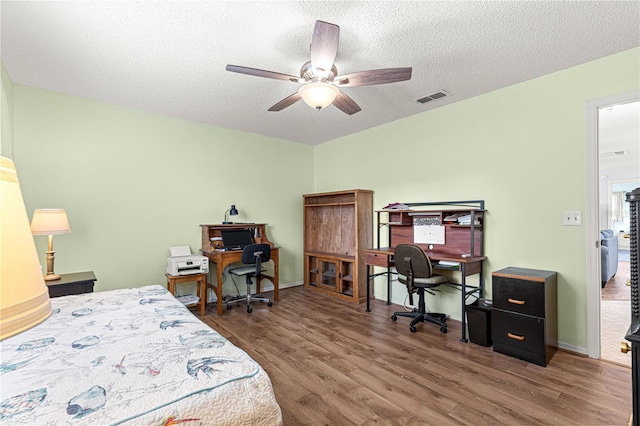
x=613, y=157
x=615, y=300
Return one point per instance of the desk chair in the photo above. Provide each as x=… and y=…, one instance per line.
x=414, y=271
x=252, y=256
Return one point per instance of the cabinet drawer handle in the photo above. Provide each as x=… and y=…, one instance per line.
x=515, y=301
x=515, y=336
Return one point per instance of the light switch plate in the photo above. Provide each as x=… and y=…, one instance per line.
x=572, y=218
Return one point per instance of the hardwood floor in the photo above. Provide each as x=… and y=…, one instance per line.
x=617, y=288
x=615, y=311
x=332, y=363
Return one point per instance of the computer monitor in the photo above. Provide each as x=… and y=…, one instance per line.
x=236, y=238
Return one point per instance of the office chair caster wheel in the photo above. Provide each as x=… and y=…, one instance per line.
x=413, y=329
x=249, y=310
x=270, y=304
x=443, y=329
x=393, y=317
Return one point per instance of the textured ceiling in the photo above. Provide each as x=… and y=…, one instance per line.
x=619, y=131
x=170, y=57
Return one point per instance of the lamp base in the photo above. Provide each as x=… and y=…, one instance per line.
x=227, y=223
x=52, y=277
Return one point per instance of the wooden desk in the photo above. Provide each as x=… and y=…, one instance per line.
x=462, y=241
x=201, y=283
x=222, y=259
x=383, y=257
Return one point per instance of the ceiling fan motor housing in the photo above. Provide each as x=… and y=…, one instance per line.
x=317, y=75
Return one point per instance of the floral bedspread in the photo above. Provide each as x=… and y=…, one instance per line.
x=133, y=356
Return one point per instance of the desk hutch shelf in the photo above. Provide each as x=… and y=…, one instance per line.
x=464, y=240
x=337, y=229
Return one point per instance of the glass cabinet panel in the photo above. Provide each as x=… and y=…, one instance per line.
x=329, y=277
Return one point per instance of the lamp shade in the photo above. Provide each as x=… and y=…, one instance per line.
x=318, y=95
x=50, y=222
x=24, y=297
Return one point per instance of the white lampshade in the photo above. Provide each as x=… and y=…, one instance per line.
x=50, y=222
x=24, y=297
x=318, y=95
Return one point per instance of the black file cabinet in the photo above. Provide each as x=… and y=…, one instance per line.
x=525, y=313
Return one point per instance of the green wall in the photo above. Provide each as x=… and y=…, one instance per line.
x=135, y=183
x=521, y=149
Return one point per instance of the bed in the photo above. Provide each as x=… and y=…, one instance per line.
x=132, y=356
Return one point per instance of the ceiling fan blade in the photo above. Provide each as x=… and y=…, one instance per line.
x=324, y=45
x=366, y=78
x=262, y=73
x=346, y=104
x=286, y=102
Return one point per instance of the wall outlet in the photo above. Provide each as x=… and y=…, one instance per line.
x=572, y=218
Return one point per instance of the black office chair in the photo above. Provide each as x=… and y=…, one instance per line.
x=252, y=256
x=414, y=271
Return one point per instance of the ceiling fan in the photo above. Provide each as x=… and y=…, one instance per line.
x=320, y=77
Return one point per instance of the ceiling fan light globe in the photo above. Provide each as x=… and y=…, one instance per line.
x=318, y=95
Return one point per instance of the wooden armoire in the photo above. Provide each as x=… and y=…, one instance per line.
x=338, y=227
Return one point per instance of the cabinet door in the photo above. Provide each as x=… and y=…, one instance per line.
x=312, y=271
x=329, y=277
x=346, y=278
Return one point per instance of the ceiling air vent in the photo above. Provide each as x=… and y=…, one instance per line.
x=433, y=97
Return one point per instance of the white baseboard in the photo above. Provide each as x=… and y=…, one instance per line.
x=269, y=287
x=572, y=348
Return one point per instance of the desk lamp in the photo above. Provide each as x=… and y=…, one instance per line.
x=24, y=296
x=232, y=211
x=50, y=222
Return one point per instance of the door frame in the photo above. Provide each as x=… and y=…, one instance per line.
x=594, y=286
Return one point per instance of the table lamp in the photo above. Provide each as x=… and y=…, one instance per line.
x=50, y=222
x=232, y=211
x=24, y=296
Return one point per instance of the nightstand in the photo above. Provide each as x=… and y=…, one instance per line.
x=201, y=284
x=68, y=284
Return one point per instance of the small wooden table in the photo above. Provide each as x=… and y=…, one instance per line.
x=201, y=283
x=75, y=283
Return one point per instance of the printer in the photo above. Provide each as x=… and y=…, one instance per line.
x=182, y=262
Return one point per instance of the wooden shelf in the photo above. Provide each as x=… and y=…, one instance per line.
x=329, y=255
x=330, y=204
